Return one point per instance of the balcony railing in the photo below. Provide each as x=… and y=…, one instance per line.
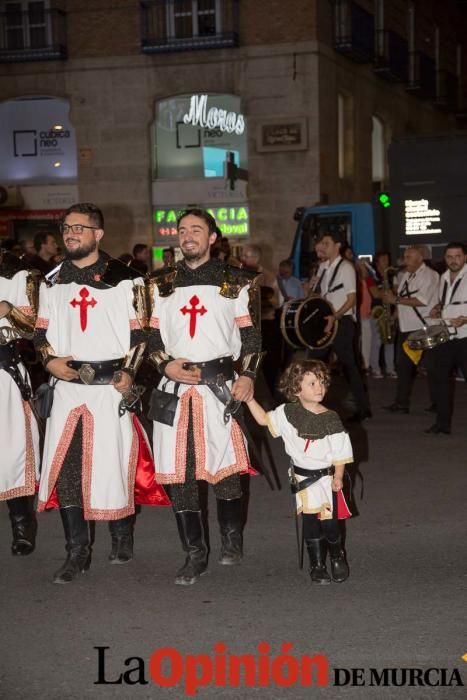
x=422, y=75
x=182, y=25
x=392, y=57
x=353, y=31
x=37, y=35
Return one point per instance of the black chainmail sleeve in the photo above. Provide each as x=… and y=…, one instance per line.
x=251, y=340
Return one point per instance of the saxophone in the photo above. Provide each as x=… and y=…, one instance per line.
x=382, y=314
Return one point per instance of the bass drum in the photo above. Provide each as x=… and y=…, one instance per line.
x=303, y=322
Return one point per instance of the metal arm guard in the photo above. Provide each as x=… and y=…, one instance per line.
x=251, y=364
x=133, y=359
x=160, y=359
x=22, y=325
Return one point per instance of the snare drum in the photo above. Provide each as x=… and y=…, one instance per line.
x=430, y=337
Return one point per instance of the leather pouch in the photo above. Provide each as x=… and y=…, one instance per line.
x=163, y=405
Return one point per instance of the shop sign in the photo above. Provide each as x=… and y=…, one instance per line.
x=232, y=221
x=214, y=118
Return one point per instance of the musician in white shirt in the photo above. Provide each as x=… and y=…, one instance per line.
x=338, y=285
x=452, y=308
x=416, y=296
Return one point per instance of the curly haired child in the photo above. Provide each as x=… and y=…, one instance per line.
x=319, y=448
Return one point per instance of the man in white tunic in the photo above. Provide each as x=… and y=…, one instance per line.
x=19, y=468
x=88, y=330
x=201, y=323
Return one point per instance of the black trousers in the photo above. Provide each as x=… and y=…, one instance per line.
x=344, y=347
x=407, y=371
x=446, y=357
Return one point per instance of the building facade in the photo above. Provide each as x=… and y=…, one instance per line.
x=251, y=108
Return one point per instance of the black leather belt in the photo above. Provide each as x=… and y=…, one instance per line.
x=312, y=475
x=213, y=371
x=95, y=373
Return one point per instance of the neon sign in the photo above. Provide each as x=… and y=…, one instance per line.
x=232, y=221
x=214, y=118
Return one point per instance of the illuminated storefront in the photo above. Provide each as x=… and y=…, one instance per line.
x=194, y=137
x=38, y=168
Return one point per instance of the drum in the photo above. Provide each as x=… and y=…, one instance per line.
x=303, y=322
x=430, y=336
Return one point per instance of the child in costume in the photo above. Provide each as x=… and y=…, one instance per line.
x=319, y=448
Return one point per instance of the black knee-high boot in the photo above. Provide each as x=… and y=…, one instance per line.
x=317, y=553
x=230, y=517
x=339, y=566
x=121, y=532
x=23, y=525
x=78, y=545
x=191, y=531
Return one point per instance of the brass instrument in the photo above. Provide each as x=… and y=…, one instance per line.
x=382, y=314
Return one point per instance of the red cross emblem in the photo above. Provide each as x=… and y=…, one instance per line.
x=194, y=301
x=83, y=307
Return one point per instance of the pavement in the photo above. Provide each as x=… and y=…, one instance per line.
x=403, y=606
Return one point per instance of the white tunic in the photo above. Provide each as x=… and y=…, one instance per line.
x=19, y=468
x=110, y=442
x=212, y=333
x=334, y=449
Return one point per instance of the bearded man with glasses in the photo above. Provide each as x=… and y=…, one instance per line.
x=90, y=335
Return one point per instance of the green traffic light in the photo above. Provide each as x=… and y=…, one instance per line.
x=384, y=200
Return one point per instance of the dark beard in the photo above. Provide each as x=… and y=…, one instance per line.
x=193, y=257
x=82, y=252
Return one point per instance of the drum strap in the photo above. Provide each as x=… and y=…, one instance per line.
x=331, y=288
x=407, y=294
x=454, y=290
x=317, y=288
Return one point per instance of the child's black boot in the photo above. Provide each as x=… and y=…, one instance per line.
x=317, y=553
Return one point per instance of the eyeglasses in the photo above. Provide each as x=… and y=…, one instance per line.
x=75, y=228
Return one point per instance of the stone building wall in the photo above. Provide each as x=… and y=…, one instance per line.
x=285, y=68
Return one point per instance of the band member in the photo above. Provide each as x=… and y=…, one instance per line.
x=19, y=468
x=382, y=280
x=452, y=308
x=319, y=448
x=337, y=284
x=90, y=334
x=416, y=296
x=202, y=323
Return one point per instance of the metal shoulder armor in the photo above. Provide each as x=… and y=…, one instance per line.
x=164, y=280
x=233, y=281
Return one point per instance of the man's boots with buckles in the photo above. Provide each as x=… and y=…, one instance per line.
x=230, y=517
x=191, y=531
x=121, y=532
x=23, y=525
x=77, y=545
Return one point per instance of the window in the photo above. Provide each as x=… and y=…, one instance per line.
x=378, y=151
x=411, y=34
x=345, y=135
x=26, y=25
x=192, y=18
x=379, y=27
